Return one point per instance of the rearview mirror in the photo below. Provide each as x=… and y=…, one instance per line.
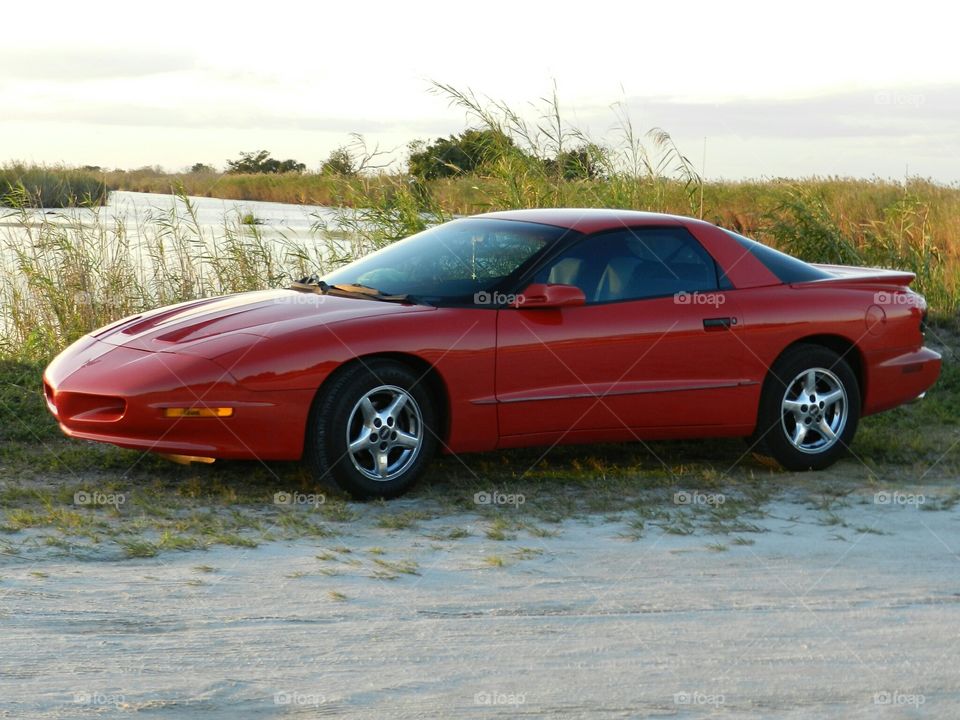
x=544, y=295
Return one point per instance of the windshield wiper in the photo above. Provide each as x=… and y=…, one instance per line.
x=373, y=293
x=312, y=283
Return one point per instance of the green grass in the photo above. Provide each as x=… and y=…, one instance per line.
x=139, y=548
x=397, y=567
x=64, y=278
x=302, y=189
x=402, y=520
x=23, y=412
x=449, y=534
x=172, y=508
x=50, y=187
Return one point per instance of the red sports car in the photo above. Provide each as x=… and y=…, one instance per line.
x=530, y=327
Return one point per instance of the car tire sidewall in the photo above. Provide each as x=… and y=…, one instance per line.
x=332, y=411
x=772, y=439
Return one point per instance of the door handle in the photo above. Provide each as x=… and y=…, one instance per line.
x=721, y=323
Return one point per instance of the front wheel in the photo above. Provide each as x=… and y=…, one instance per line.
x=809, y=409
x=372, y=429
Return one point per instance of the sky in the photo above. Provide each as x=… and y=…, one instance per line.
x=747, y=90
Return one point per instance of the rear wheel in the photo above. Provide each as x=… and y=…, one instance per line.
x=809, y=409
x=371, y=429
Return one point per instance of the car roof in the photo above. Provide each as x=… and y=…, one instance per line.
x=588, y=220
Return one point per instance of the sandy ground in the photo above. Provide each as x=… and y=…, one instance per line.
x=812, y=620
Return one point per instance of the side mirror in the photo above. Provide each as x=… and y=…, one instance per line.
x=543, y=295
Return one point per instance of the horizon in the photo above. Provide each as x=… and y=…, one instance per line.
x=865, y=96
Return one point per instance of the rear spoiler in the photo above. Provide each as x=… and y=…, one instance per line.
x=849, y=274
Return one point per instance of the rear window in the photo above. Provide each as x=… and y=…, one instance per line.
x=787, y=268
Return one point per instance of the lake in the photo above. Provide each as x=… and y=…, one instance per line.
x=272, y=220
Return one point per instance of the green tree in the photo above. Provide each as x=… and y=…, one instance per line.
x=339, y=162
x=582, y=163
x=457, y=154
x=261, y=162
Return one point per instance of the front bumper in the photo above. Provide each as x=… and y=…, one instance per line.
x=119, y=395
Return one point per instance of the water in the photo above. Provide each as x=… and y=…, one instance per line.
x=153, y=242
x=136, y=210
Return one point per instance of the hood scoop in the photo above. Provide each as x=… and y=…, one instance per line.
x=156, y=319
x=252, y=313
x=195, y=331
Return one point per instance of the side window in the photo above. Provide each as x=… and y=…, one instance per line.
x=633, y=264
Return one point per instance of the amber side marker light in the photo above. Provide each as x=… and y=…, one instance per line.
x=186, y=459
x=180, y=412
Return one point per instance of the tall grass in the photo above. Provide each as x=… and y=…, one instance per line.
x=522, y=170
x=299, y=188
x=63, y=275
x=50, y=187
x=68, y=273
x=374, y=212
x=901, y=237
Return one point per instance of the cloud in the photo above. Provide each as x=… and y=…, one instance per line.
x=881, y=112
x=72, y=64
x=222, y=117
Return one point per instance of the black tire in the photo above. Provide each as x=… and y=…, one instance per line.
x=337, y=412
x=777, y=426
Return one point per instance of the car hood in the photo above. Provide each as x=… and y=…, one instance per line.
x=188, y=325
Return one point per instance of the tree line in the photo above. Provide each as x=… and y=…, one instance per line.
x=460, y=154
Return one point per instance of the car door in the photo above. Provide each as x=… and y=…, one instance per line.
x=655, y=346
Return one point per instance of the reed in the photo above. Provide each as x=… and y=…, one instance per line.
x=64, y=274
x=62, y=277
x=50, y=187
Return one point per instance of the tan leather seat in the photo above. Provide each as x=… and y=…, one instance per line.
x=616, y=279
x=566, y=272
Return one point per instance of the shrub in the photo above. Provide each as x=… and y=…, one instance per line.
x=339, y=162
x=260, y=162
x=202, y=168
x=457, y=154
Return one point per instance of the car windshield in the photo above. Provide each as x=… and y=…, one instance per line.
x=450, y=262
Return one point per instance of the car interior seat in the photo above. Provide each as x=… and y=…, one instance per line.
x=617, y=278
x=565, y=272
